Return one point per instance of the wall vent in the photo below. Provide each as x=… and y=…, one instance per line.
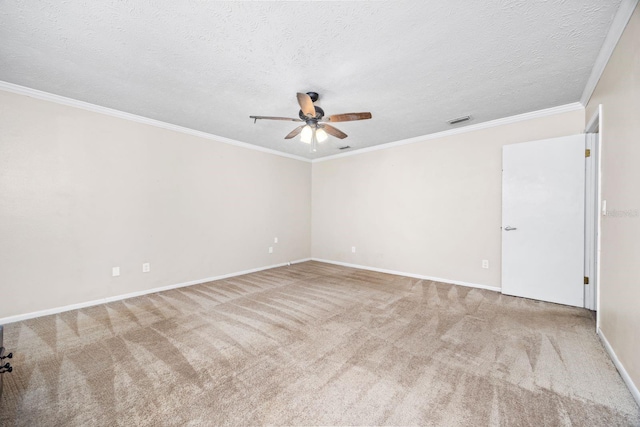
x=459, y=120
x=344, y=148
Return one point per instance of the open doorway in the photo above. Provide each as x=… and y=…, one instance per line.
x=592, y=212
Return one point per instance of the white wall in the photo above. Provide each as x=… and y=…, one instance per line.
x=430, y=208
x=619, y=93
x=81, y=192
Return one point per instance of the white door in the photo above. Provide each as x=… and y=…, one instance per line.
x=543, y=220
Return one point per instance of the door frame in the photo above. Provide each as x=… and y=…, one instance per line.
x=593, y=217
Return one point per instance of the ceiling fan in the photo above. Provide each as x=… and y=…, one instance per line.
x=315, y=128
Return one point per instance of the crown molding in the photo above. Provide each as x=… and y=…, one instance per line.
x=46, y=96
x=471, y=128
x=618, y=25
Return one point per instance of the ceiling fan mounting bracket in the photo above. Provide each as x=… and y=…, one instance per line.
x=314, y=96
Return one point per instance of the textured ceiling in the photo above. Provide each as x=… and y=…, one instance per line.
x=209, y=65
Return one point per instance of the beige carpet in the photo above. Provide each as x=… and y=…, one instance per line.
x=315, y=344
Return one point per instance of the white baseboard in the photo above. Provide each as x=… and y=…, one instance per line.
x=56, y=310
x=620, y=367
x=415, y=276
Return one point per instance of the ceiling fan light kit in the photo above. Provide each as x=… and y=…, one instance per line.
x=305, y=135
x=315, y=129
x=321, y=134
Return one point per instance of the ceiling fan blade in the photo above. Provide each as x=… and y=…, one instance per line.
x=294, y=132
x=335, y=132
x=349, y=117
x=306, y=104
x=274, y=118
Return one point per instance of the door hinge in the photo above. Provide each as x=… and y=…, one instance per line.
x=586, y=280
x=587, y=153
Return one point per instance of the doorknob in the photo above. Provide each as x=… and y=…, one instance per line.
x=508, y=228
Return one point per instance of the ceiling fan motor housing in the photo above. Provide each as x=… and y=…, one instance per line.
x=319, y=115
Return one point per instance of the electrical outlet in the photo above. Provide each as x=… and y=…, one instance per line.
x=275, y=240
x=146, y=267
x=353, y=249
x=270, y=249
x=485, y=263
x=115, y=271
